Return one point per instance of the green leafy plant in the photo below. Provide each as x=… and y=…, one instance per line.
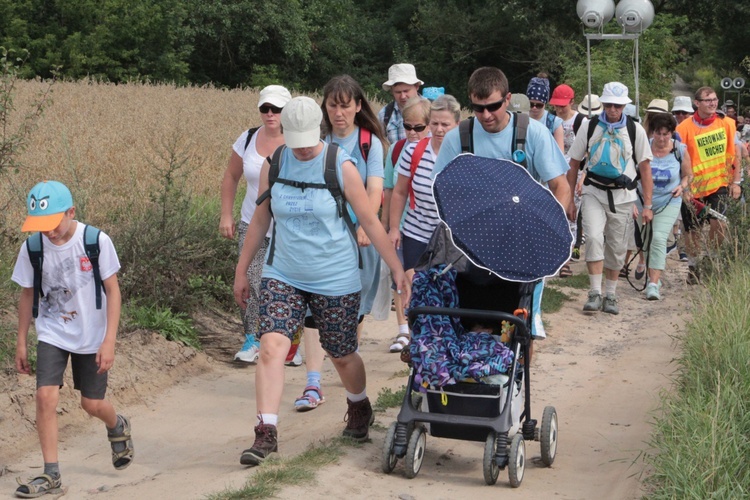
x=173, y=326
x=387, y=398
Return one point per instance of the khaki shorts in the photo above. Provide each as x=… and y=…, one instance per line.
x=607, y=233
x=51, y=362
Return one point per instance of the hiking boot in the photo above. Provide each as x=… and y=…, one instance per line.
x=594, y=303
x=359, y=418
x=250, y=351
x=609, y=305
x=266, y=442
x=652, y=291
x=683, y=257
x=693, y=276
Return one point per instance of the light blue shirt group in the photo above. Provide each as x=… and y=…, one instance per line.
x=314, y=250
x=544, y=159
x=374, y=165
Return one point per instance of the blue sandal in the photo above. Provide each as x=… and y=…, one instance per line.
x=311, y=398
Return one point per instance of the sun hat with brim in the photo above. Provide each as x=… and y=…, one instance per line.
x=46, y=203
x=658, y=106
x=275, y=95
x=562, y=95
x=300, y=120
x=682, y=103
x=591, y=104
x=615, y=93
x=401, y=73
x=519, y=102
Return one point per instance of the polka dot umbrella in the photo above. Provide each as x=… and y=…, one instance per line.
x=502, y=219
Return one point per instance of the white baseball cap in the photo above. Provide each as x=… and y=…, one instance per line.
x=300, y=120
x=401, y=73
x=615, y=93
x=682, y=103
x=275, y=95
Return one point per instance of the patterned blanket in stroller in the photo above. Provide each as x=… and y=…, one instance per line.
x=442, y=351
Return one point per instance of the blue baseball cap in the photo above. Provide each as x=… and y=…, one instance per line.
x=47, y=203
x=433, y=93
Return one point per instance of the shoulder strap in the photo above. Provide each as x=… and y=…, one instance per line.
x=250, y=134
x=550, y=121
x=520, y=125
x=590, y=132
x=91, y=246
x=466, y=133
x=577, y=122
x=397, y=152
x=36, y=256
x=630, y=125
x=387, y=115
x=273, y=174
x=416, y=157
x=365, y=142
x=332, y=183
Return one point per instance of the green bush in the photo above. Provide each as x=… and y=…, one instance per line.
x=177, y=327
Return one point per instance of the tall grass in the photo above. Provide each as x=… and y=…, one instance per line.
x=701, y=434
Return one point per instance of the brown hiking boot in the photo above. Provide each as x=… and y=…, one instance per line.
x=266, y=442
x=359, y=418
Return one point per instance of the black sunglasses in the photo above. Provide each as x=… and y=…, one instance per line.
x=539, y=105
x=612, y=105
x=492, y=107
x=415, y=128
x=265, y=108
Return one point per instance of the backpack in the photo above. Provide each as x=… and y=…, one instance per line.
x=416, y=157
x=250, y=134
x=550, y=121
x=520, y=124
x=331, y=184
x=36, y=256
x=606, y=165
x=387, y=115
x=364, y=138
x=396, y=153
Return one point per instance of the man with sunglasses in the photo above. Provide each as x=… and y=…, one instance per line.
x=490, y=99
x=716, y=172
x=607, y=199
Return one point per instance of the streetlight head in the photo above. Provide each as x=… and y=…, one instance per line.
x=595, y=13
x=634, y=16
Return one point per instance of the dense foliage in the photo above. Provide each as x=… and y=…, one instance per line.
x=303, y=42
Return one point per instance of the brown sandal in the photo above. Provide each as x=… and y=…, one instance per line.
x=565, y=271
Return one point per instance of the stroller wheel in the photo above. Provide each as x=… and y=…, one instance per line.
x=489, y=465
x=517, y=463
x=415, y=451
x=548, y=435
x=389, y=457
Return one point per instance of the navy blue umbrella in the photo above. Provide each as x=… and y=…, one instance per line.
x=502, y=219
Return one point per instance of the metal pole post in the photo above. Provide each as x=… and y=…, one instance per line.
x=637, y=93
x=588, y=69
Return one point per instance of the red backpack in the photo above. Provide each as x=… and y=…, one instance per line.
x=416, y=157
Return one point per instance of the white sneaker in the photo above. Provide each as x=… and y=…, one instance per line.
x=296, y=360
x=250, y=351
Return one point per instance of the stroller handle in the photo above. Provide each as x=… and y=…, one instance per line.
x=522, y=330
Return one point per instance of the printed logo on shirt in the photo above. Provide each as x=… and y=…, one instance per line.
x=85, y=264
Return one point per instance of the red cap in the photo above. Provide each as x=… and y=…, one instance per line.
x=562, y=95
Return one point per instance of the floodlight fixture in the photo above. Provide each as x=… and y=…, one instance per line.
x=634, y=16
x=595, y=13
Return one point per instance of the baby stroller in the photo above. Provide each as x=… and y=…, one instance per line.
x=452, y=293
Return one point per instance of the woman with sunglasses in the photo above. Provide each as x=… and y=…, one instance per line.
x=346, y=112
x=538, y=94
x=248, y=154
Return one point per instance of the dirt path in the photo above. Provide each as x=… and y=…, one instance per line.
x=603, y=374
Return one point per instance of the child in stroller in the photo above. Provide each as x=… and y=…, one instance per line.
x=451, y=297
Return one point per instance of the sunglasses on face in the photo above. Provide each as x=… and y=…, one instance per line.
x=680, y=113
x=538, y=105
x=415, y=128
x=265, y=108
x=616, y=106
x=492, y=107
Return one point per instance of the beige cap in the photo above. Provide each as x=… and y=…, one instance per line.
x=300, y=120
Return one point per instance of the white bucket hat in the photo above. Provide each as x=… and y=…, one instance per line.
x=275, y=95
x=300, y=120
x=401, y=73
x=615, y=93
x=682, y=103
x=595, y=105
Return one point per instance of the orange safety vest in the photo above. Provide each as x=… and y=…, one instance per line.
x=711, y=150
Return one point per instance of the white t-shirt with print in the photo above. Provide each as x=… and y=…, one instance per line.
x=68, y=317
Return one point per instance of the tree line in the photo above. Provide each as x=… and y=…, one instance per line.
x=302, y=43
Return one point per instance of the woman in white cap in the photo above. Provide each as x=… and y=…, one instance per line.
x=312, y=263
x=248, y=153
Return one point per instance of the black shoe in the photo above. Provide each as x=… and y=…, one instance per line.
x=359, y=418
x=266, y=442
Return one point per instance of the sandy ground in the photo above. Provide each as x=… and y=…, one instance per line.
x=192, y=416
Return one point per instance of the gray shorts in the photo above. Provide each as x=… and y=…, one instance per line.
x=51, y=362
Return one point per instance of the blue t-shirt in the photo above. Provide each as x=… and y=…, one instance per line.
x=666, y=174
x=544, y=159
x=556, y=121
x=350, y=144
x=313, y=248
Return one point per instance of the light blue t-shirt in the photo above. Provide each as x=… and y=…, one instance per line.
x=350, y=143
x=556, y=121
x=313, y=248
x=666, y=174
x=544, y=159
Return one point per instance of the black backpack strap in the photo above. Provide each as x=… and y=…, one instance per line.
x=577, y=122
x=250, y=134
x=273, y=174
x=466, y=133
x=36, y=256
x=520, y=125
x=630, y=125
x=91, y=246
x=387, y=115
x=332, y=183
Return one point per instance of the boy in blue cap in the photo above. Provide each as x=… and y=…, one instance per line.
x=69, y=323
